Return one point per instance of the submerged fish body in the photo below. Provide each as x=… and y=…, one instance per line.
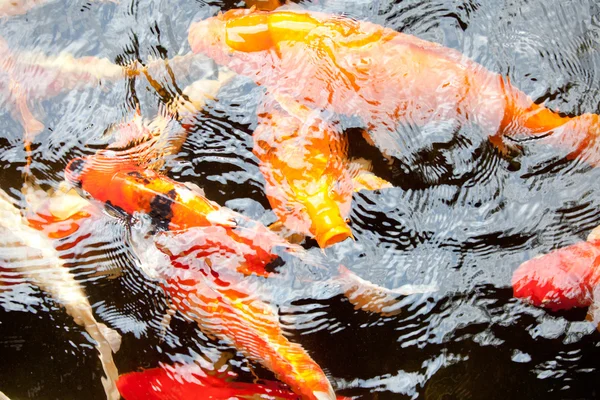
x=202, y=287
x=328, y=62
x=562, y=279
x=314, y=64
x=305, y=167
x=130, y=188
x=30, y=254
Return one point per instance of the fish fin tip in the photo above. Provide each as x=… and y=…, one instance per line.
x=594, y=234
x=112, y=337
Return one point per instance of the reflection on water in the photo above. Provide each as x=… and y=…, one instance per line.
x=461, y=217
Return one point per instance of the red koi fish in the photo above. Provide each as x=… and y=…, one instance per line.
x=173, y=206
x=333, y=63
x=562, y=279
x=184, y=383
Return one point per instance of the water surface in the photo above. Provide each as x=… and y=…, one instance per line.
x=462, y=216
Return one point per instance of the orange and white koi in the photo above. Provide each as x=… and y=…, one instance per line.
x=171, y=205
x=325, y=64
x=203, y=285
x=309, y=179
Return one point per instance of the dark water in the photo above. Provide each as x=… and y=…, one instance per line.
x=461, y=217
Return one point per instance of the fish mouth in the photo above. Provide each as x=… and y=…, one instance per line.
x=334, y=235
x=328, y=225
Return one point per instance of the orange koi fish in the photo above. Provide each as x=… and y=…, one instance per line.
x=314, y=64
x=308, y=184
x=309, y=179
x=357, y=68
x=130, y=188
x=180, y=382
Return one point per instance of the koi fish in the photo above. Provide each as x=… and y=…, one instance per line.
x=562, y=279
x=308, y=185
x=180, y=382
x=309, y=179
x=130, y=188
x=204, y=286
x=29, y=253
x=330, y=65
x=357, y=68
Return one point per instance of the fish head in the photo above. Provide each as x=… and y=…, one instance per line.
x=94, y=176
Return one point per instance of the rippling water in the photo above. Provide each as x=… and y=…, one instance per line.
x=461, y=216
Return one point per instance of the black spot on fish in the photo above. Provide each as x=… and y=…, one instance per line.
x=160, y=209
x=139, y=177
x=274, y=264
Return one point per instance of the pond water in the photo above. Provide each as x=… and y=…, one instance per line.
x=461, y=216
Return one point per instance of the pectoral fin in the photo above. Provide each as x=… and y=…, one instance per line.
x=364, y=179
x=290, y=236
x=594, y=234
x=370, y=297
